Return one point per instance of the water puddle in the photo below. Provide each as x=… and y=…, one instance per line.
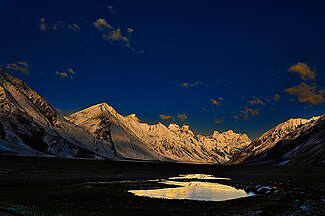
x=191, y=187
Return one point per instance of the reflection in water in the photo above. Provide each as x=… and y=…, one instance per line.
x=193, y=190
x=199, y=176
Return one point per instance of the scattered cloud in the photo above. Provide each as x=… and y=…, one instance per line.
x=307, y=93
x=20, y=66
x=256, y=101
x=273, y=110
x=182, y=117
x=44, y=26
x=165, y=117
x=247, y=113
x=62, y=75
x=130, y=30
x=69, y=73
x=277, y=97
x=215, y=102
x=111, y=9
x=304, y=71
x=217, y=121
x=73, y=27
x=204, y=109
x=114, y=35
x=191, y=84
x=102, y=25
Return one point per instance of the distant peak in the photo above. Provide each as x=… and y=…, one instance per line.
x=173, y=127
x=99, y=108
x=102, y=104
x=229, y=133
x=186, y=127
x=295, y=122
x=215, y=133
x=133, y=116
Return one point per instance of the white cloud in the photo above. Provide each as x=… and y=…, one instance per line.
x=112, y=34
x=69, y=73
x=307, y=93
x=74, y=27
x=277, y=97
x=304, y=71
x=44, y=26
x=215, y=102
x=61, y=74
x=256, y=101
x=165, y=117
x=217, y=121
x=102, y=24
x=246, y=113
x=182, y=117
x=130, y=30
x=191, y=84
x=20, y=66
x=111, y=9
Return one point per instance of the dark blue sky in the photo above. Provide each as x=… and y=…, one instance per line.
x=178, y=57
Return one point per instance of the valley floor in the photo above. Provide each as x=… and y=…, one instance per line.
x=51, y=186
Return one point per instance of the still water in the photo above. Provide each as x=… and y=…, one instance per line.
x=192, y=187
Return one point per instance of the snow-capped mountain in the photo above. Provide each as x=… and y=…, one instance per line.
x=135, y=139
x=30, y=126
x=294, y=142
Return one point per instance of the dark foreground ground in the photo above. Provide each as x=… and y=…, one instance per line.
x=49, y=186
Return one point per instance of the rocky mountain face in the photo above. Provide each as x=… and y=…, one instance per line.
x=30, y=126
x=294, y=142
x=135, y=139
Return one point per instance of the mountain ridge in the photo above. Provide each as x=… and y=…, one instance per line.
x=176, y=142
x=264, y=147
x=30, y=126
x=29, y=123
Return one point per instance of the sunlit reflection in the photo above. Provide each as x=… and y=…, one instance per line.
x=193, y=190
x=199, y=176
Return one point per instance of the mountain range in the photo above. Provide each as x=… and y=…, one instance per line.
x=30, y=126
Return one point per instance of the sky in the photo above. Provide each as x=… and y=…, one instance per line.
x=215, y=65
